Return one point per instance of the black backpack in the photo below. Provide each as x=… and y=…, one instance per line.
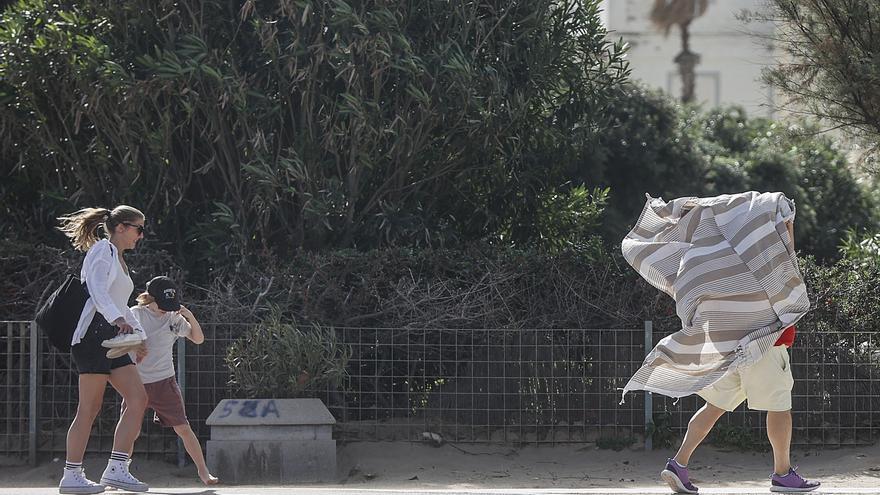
x=58, y=316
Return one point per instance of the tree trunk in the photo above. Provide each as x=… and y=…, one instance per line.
x=686, y=61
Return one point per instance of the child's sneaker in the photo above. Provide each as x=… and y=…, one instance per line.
x=117, y=475
x=677, y=478
x=791, y=483
x=125, y=339
x=75, y=481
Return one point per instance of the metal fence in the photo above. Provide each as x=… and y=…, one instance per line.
x=487, y=385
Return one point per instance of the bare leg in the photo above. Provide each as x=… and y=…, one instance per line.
x=699, y=426
x=91, y=397
x=194, y=449
x=121, y=412
x=779, y=434
x=128, y=383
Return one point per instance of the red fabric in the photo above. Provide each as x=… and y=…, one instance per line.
x=787, y=337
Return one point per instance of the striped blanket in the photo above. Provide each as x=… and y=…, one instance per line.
x=729, y=264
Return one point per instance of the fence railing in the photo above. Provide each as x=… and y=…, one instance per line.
x=536, y=386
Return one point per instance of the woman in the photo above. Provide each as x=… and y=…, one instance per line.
x=104, y=317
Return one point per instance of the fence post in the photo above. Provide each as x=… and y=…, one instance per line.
x=649, y=404
x=181, y=381
x=33, y=376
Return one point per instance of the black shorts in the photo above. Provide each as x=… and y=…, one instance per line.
x=90, y=356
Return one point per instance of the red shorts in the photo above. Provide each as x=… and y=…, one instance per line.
x=164, y=398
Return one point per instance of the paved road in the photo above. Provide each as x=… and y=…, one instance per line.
x=298, y=490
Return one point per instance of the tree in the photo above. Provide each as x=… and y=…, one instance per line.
x=650, y=148
x=661, y=147
x=668, y=13
x=831, y=67
x=265, y=127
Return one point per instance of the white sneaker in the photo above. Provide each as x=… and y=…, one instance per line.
x=75, y=481
x=125, y=339
x=116, y=475
x=115, y=352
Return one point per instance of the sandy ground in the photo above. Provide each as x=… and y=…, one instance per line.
x=410, y=466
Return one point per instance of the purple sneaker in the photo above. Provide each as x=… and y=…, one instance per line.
x=791, y=482
x=677, y=478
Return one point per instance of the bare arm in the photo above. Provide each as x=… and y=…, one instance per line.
x=790, y=225
x=196, y=335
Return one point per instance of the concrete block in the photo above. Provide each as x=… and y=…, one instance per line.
x=242, y=461
x=272, y=441
x=270, y=412
x=273, y=432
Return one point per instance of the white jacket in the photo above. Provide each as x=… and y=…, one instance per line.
x=100, y=270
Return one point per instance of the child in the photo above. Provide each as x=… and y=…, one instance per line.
x=164, y=320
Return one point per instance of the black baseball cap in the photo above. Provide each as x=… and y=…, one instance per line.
x=164, y=291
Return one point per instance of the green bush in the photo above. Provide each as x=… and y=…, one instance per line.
x=569, y=220
x=660, y=147
x=649, y=148
x=661, y=432
x=811, y=169
x=245, y=130
x=484, y=286
x=29, y=273
x=741, y=438
x=840, y=328
x=490, y=287
x=861, y=248
x=283, y=360
x=616, y=443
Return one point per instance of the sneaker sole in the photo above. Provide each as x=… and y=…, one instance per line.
x=116, y=352
x=785, y=489
x=109, y=344
x=124, y=486
x=81, y=489
x=672, y=480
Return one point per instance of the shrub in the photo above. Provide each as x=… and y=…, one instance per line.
x=616, y=443
x=649, y=147
x=742, y=438
x=840, y=328
x=271, y=126
x=660, y=430
x=283, y=360
x=792, y=158
x=663, y=148
x=861, y=248
x=29, y=272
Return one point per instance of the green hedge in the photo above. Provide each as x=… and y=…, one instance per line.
x=258, y=128
x=480, y=287
x=493, y=287
x=660, y=147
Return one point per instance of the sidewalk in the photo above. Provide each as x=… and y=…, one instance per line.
x=402, y=468
x=277, y=490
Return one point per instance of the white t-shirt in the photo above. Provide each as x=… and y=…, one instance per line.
x=162, y=331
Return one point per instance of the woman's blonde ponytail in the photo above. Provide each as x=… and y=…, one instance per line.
x=81, y=227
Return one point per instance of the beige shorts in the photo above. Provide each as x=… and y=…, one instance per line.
x=767, y=385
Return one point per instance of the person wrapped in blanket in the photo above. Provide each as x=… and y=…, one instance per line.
x=729, y=262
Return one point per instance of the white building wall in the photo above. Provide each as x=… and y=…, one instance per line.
x=732, y=52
